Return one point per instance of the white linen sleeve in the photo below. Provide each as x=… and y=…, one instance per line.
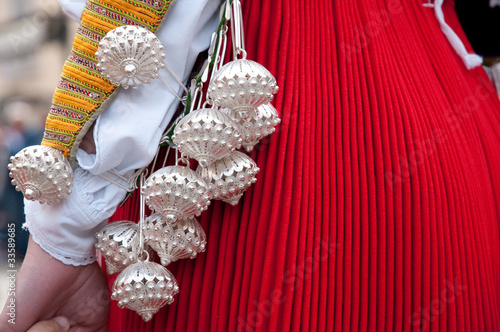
x=126, y=136
x=73, y=8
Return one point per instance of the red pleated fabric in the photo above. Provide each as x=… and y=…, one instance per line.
x=377, y=204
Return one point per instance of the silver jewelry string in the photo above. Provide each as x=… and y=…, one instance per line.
x=141, y=220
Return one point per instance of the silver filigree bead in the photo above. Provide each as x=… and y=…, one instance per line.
x=119, y=244
x=130, y=55
x=176, y=192
x=184, y=239
x=230, y=177
x=242, y=85
x=42, y=173
x=206, y=135
x=257, y=126
x=144, y=287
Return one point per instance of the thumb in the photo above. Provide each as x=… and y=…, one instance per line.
x=58, y=324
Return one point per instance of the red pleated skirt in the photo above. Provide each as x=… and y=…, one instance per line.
x=377, y=204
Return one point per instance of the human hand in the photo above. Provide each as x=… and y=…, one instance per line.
x=47, y=288
x=58, y=324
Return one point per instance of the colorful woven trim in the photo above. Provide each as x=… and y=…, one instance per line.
x=82, y=92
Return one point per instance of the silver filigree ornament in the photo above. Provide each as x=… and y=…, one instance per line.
x=130, y=55
x=42, y=173
x=176, y=192
x=118, y=242
x=184, y=239
x=230, y=177
x=258, y=125
x=206, y=135
x=242, y=85
x=144, y=287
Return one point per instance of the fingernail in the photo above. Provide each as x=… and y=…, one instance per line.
x=63, y=321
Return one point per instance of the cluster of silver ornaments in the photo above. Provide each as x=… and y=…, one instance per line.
x=144, y=287
x=184, y=239
x=130, y=55
x=118, y=243
x=176, y=192
x=206, y=135
x=42, y=173
x=229, y=177
x=240, y=93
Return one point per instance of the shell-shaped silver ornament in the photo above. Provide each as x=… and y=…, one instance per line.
x=119, y=243
x=130, y=55
x=257, y=126
x=144, y=287
x=230, y=177
x=42, y=173
x=184, y=239
x=206, y=135
x=242, y=85
x=176, y=192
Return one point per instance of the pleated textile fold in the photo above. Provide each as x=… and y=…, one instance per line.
x=377, y=204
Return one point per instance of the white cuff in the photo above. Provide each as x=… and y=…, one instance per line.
x=66, y=230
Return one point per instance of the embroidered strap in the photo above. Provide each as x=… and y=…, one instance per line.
x=83, y=93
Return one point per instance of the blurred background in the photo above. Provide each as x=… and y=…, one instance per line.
x=34, y=43
x=35, y=39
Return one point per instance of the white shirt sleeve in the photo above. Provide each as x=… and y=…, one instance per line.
x=73, y=8
x=126, y=136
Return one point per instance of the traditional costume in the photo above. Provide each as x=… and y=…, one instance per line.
x=376, y=207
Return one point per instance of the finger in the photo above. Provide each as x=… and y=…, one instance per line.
x=58, y=324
